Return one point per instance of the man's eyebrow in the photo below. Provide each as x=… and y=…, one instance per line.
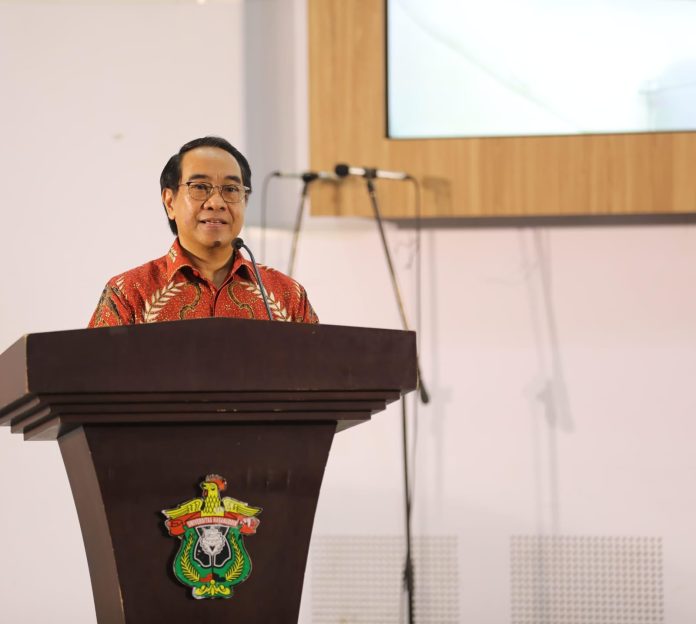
x=203, y=176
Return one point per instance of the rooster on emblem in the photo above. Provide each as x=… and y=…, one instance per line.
x=211, y=504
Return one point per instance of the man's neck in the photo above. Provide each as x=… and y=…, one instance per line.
x=213, y=264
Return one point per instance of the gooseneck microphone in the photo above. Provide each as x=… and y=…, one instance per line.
x=343, y=170
x=237, y=244
x=306, y=176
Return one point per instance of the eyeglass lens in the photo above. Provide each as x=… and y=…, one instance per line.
x=201, y=191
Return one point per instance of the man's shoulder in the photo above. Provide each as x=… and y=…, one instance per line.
x=131, y=296
x=273, y=277
x=142, y=278
x=287, y=297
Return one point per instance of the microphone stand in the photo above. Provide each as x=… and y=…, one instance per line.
x=306, y=179
x=408, y=564
x=369, y=179
x=425, y=398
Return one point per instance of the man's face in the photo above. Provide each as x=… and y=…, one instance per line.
x=213, y=222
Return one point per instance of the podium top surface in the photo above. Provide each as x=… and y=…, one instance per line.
x=208, y=355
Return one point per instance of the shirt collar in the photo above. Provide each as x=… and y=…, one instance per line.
x=177, y=259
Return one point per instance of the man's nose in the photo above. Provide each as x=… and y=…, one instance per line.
x=215, y=200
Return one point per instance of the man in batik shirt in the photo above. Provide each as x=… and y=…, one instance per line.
x=205, y=187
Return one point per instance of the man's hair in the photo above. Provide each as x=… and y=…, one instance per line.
x=171, y=174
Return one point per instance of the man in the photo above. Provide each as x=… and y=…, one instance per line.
x=205, y=187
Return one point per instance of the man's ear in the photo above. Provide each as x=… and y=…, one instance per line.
x=168, y=201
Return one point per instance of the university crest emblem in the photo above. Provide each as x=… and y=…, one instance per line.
x=212, y=557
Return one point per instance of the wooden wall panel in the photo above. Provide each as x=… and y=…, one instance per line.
x=512, y=177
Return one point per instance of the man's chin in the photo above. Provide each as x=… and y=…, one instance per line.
x=217, y=242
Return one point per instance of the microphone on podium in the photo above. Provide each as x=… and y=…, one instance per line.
x=238, y=244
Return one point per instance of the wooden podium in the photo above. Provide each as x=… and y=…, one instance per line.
x=143, y=413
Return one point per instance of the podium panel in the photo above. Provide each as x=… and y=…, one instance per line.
x=147, y=416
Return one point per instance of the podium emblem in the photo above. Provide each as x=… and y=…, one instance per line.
x=212, y=558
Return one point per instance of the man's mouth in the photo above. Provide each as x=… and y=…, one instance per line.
x=214, y=221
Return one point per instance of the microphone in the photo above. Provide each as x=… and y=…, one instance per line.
x=343, y=170
x=237, y=244
x=306, y=176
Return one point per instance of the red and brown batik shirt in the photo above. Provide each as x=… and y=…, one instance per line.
x=171, y=288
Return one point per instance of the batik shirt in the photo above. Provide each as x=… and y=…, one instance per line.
x=171, y=288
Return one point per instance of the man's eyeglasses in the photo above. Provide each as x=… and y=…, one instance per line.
x=231, y=193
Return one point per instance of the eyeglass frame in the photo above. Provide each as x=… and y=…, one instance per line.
x=213, y=187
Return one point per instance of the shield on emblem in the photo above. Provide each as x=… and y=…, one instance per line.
x=212, y=548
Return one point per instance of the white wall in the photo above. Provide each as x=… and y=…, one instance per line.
x=559, y=360
x=560, y=365
x=95, y=98
x=94, y=101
